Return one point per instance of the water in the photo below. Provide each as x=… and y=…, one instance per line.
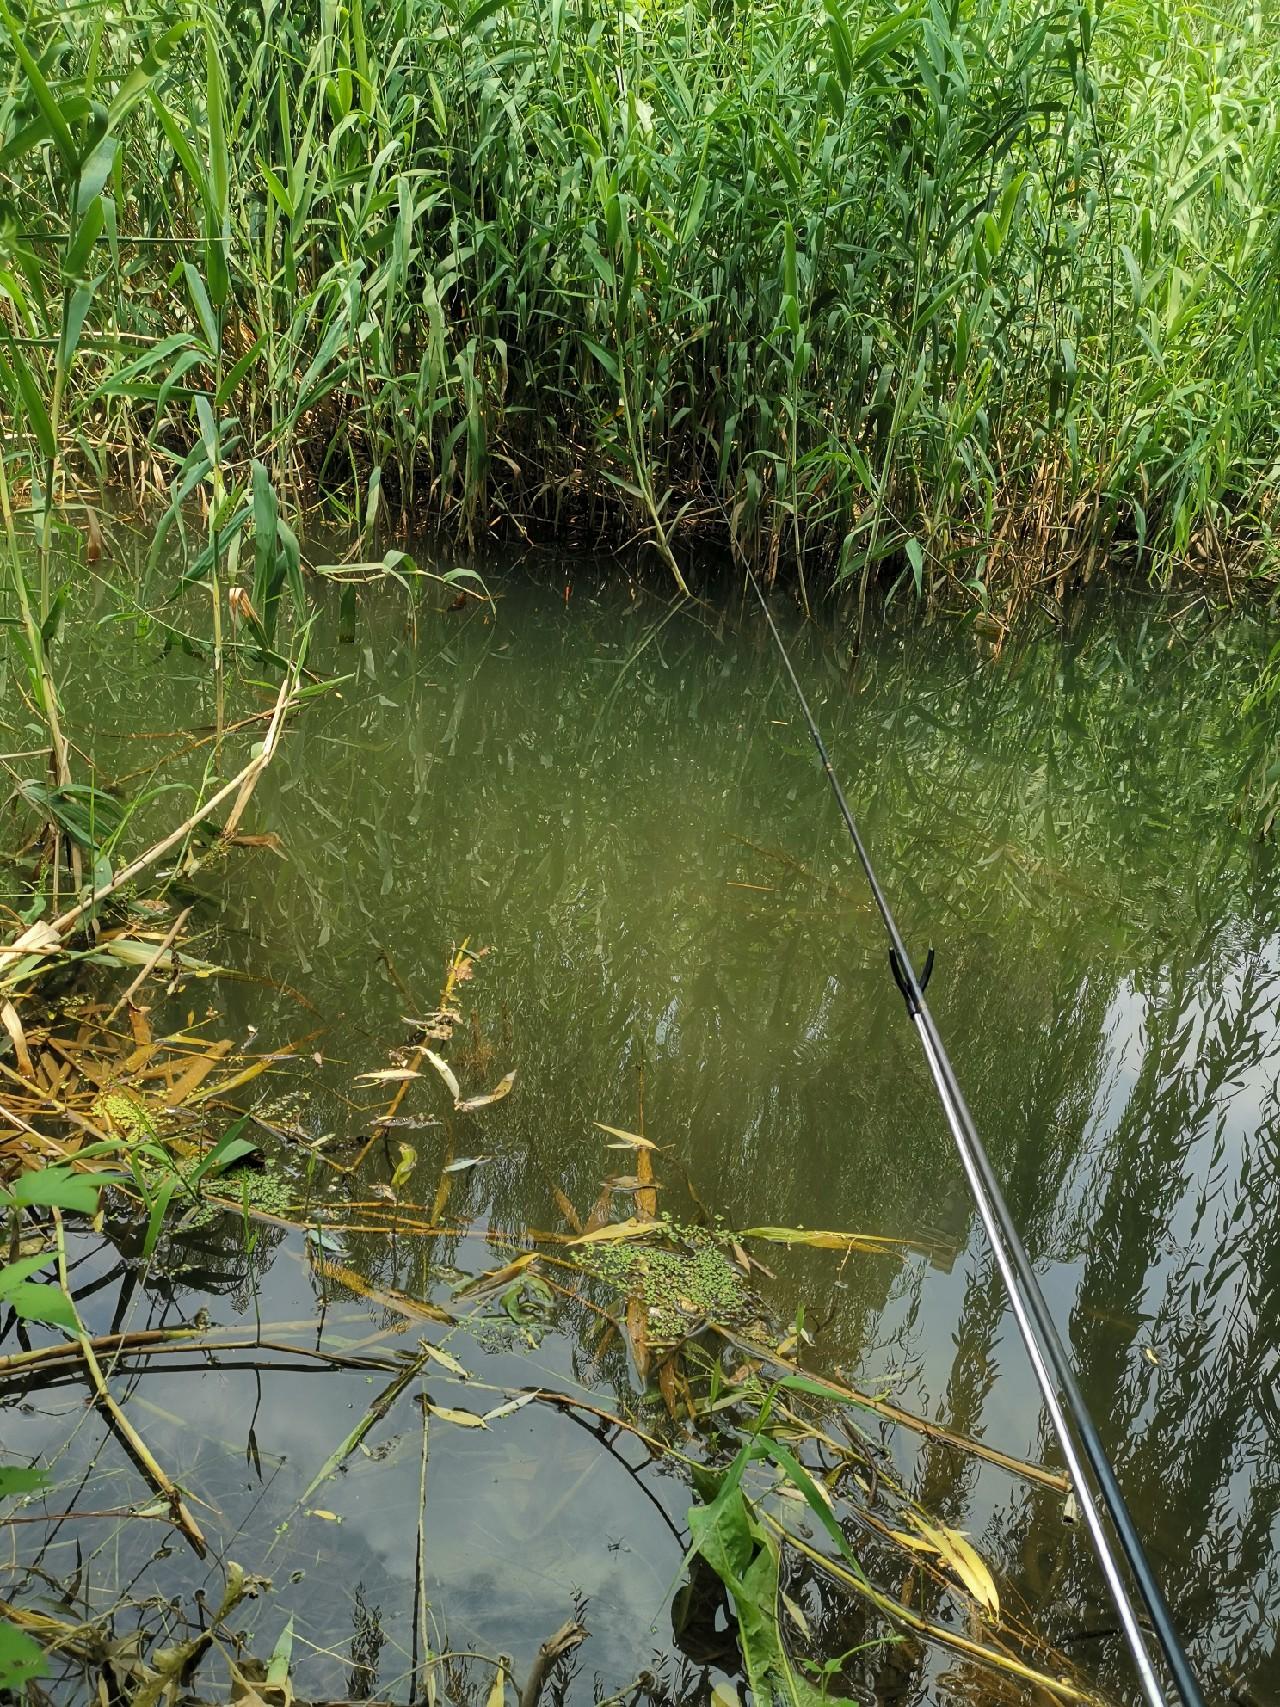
x=619, y=802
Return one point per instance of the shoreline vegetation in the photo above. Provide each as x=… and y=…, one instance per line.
x=971, y=301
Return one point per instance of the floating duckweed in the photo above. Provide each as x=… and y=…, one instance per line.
x=679, y=1287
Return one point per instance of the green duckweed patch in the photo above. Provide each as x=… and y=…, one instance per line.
x=685, y=1280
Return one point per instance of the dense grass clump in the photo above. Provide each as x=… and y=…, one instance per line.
x=970, y=293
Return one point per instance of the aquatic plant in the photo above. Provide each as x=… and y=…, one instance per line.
x=952, y=294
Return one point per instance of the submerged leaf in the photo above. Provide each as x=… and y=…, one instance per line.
x=870, y=1242
x=511, y=1406
x=796, y=1614
x=615, y=1232
x=496, y=1277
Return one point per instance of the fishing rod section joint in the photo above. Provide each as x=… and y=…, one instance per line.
x=909, y=995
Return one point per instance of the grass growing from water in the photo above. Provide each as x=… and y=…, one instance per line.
x=940, y=293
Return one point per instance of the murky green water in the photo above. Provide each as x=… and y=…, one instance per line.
x=619, y=802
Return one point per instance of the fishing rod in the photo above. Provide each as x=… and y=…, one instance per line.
x=1053, y=1371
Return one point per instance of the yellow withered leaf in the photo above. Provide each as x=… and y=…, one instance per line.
x=630, y=1140
x=959, y=1556
x=464, y=1419
x=439, y=1355
x=387, y=1076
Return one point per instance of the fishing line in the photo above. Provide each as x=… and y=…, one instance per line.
x=1053, y=1371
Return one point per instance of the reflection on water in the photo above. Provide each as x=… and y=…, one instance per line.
x=620, y=802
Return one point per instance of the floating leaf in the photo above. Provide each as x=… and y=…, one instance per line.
x=498, y=1688
x=630, y=1140
x=465, y=1162
x=510, y=1406
x=439, y=1355
x=404, y=1167
x=328, y=1516
x=464, y=1419
x=501, y=1089
x=387, y=1076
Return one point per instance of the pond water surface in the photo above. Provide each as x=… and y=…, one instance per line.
x=616, y=799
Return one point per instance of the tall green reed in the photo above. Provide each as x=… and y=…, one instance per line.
x=940, y=293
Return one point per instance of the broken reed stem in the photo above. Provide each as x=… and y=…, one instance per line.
x=171, y=937
x=897, y=1613
x=42, y=938
x=132, y=1440
x=569, y=1636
